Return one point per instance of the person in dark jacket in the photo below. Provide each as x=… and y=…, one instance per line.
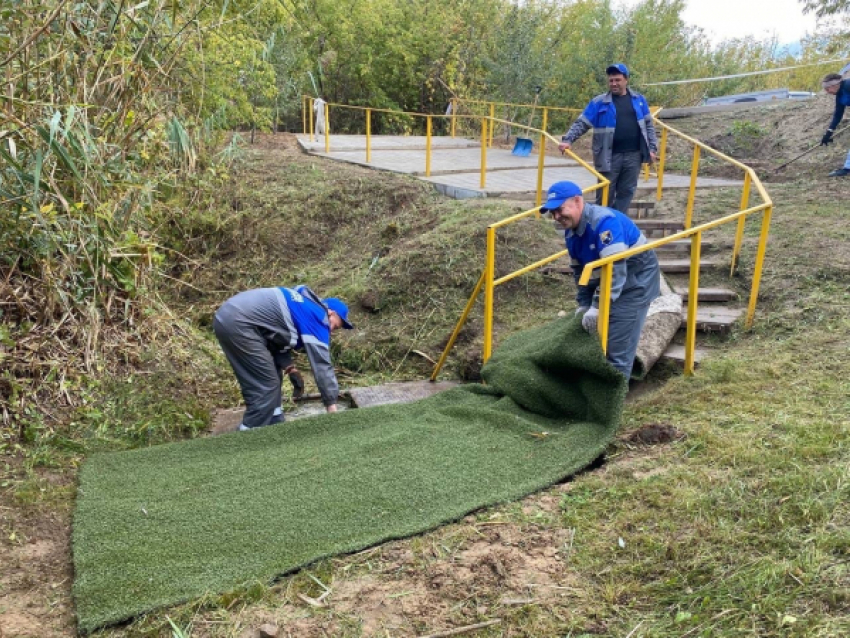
x=834, y=84
x=258, y=330
x=623, y=136
x=594, y=232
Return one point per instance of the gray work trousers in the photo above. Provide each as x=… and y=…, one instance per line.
x=624, y=173
x=628, y=312
x=256, y=370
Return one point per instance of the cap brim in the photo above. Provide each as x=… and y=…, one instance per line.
x=552, y=205
x=346, y=324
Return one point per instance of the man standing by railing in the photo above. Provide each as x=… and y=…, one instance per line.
x=623, y=136
x=595, y=232
x=834, y=84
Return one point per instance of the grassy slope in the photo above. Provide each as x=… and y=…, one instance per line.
x=738, y=529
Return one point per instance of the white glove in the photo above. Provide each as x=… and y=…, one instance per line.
x=582, y=309
x=588, y=320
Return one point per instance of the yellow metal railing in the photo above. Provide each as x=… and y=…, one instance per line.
x=488, y=280
x=487, y=126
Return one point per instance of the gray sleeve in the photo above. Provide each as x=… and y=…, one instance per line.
x=323, y=372
x=589, y=295
x=584, y=294
x=618, y=280
x=650, y=133
x=581, y=126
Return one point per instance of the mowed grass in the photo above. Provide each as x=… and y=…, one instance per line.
x=738, y=529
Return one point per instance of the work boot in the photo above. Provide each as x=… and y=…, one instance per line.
x=840, y=172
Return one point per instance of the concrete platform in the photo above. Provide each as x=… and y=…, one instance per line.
x=403, y=392
x=228, y=419
x=382, y=142
x=444, y=161
x=524, y=181
x=455, y=165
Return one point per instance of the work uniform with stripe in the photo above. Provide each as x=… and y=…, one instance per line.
x=258, y=330
x=622, y=141
x=603, y=232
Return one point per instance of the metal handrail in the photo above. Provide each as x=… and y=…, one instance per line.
x=487, y=125
x=488, y=282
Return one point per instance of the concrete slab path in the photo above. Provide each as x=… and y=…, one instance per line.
x=455, y=165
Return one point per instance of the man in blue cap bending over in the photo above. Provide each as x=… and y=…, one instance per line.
x=594, y=232
x=258, y=330
x=623, y=136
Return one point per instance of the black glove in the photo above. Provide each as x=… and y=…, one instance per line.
x=826, y=140
x=297, y=382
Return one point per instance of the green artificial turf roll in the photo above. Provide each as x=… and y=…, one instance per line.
x=162, y=525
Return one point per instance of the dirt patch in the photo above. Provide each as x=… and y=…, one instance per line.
x=764, y=137
x=273, y=141
x=35, y=580
x=501, y=566
x=655, y=434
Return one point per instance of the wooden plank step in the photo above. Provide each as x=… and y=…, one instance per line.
x=676, y=354
x=708, y=294
x=718, y=319
x=684, y=265
x=683, y=246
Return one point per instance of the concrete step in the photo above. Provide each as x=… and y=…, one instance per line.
x=684, y=246
x=673, y=266
x=641, y=210
x=675, y=353
x=708, y=294
x=667, y=226
x=717, y=319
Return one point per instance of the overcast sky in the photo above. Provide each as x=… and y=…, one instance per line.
x=723, y=19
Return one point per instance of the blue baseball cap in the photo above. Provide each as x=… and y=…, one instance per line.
x=617, y=68
x=558, y=193
x=339, y=308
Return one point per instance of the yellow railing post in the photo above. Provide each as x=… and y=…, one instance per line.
x=312, y=136
x=646, y=172
x=327, y=128
x=662, y=156
x=541, y=160
x=689, y=213
x=489, y=275
x=483, y=152
x=545, y=123
x=492, y=126
x=605, y=305
x=605, y=191
x=739, y=233
x=428, y=146
x=368, y=135
x=454, y=115
x=693, y=299
x=754, y=292
x=458, y=327
x=304, y=114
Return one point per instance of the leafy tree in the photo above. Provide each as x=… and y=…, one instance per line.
x=822, y=8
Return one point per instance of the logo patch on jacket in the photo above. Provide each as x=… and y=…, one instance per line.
x=606, y=237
